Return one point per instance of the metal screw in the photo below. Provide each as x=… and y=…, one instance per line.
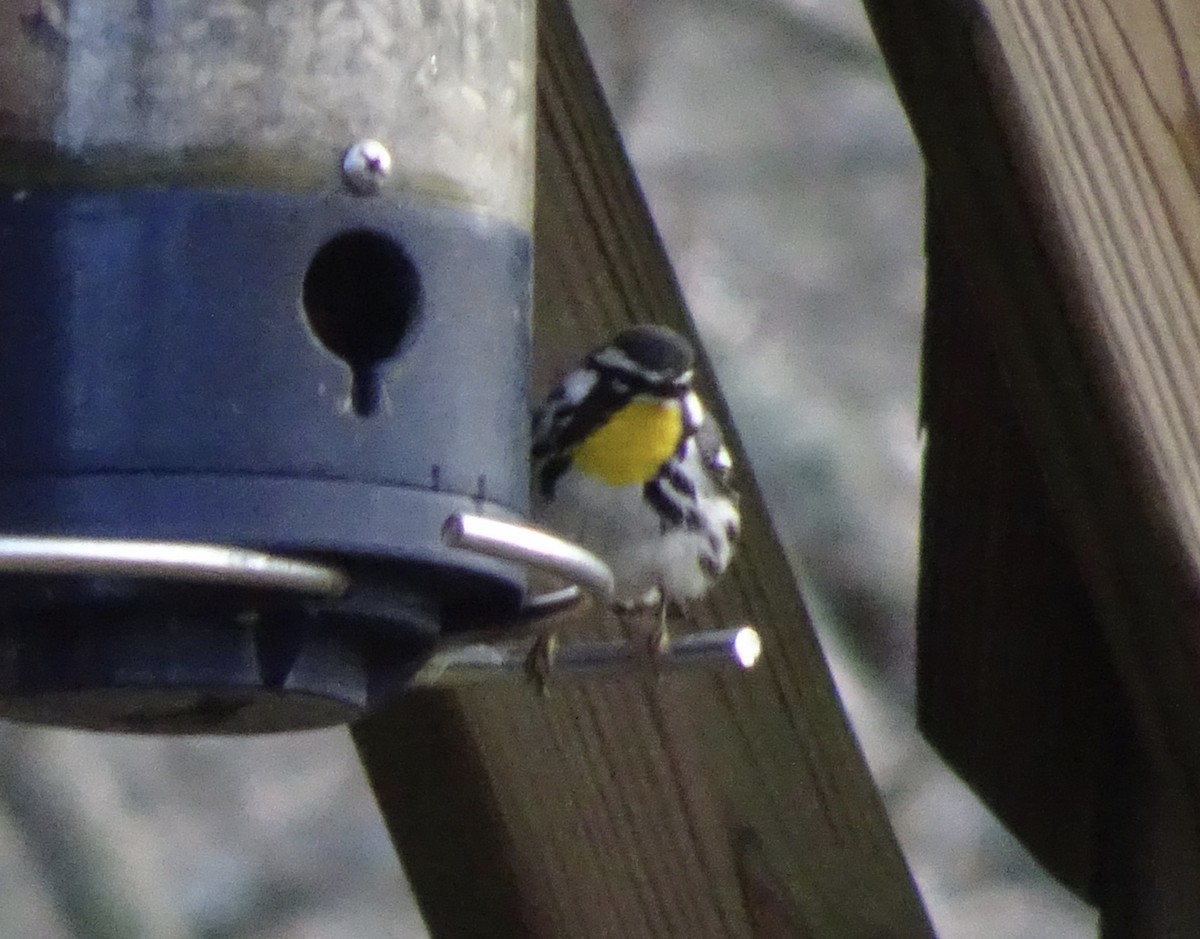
x=365, y=165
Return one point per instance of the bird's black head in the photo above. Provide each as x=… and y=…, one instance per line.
x=652, y=356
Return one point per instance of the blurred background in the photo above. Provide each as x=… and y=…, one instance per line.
x=784, y=178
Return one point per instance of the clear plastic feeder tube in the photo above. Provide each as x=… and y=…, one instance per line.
x=269, y=94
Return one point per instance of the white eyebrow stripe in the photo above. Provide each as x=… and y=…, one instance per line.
x=612, y=357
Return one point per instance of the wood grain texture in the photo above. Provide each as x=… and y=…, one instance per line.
x=692, y=806
x=1102, y=102
x=1110, y=108
x=1063, y=139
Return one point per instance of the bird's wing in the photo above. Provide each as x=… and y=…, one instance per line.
x=554, y=422
x=714, y=455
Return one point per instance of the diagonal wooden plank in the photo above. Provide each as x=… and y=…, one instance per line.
x=696, y=805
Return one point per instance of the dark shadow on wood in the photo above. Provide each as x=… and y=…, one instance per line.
x=1014, y=687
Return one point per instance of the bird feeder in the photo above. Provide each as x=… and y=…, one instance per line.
x=265, y=308
x=264, y=300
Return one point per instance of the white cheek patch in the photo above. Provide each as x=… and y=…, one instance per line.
x=577, y=385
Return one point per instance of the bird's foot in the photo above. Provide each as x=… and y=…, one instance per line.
x=660, y=638
x=540, y=661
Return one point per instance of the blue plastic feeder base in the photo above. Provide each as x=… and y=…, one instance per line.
x=106, y=654
x=312, y=375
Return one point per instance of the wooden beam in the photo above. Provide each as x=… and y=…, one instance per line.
x=1014, y=687
x=695, y=805
x=1088, y=288
x=1149, y=856
x=1062, y=141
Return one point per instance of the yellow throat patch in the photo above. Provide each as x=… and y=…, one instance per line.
x=631, y=446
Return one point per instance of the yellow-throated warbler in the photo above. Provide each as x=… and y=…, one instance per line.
x=628, y=464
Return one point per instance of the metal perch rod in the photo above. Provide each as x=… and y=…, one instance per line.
x=455, y=666
x=586, y=573
x=169, y=560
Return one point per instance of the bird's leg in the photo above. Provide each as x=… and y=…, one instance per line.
x=646, y=625
x=639, y=620
x=629, y=615
x=660, y=638
x=540, y=662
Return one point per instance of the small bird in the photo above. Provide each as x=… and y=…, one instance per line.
x=628, y=464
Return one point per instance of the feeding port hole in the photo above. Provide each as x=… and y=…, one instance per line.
x=360, y=297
